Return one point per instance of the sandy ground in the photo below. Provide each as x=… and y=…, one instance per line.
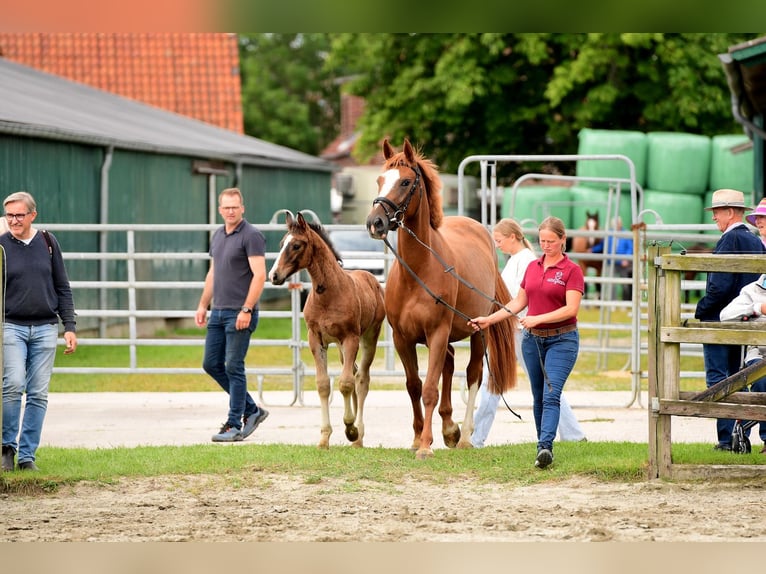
x=270, y=508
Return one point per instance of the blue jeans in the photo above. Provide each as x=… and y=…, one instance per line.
x=28, y=356
x=549, y=361
x=225, y=350
x=569, y=426
x=721, y=361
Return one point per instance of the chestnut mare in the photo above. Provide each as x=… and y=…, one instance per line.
x=445, y=273
x=343, y=307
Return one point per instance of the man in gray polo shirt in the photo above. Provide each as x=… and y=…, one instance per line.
x=233, y=284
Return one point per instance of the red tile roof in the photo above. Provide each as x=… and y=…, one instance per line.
x=193, y=74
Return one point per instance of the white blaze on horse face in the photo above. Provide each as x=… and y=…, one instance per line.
x=285, y=243
x=389, y=179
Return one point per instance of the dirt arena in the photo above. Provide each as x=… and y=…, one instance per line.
x=253, y=506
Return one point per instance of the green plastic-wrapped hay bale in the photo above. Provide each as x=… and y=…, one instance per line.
x=632, y=144
x=587, y=199
x=678, y=162
x=536, y=202
x=729, y=167
x=674, y=208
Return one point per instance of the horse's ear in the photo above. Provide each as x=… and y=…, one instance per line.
x=301, y=221
x=409, y=153
x=388, y=151
x=288, y=217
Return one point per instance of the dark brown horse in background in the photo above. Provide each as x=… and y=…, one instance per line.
x=581, y=244
x=343, y=307
x=445, y=271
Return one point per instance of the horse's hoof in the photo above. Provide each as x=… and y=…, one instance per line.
x=424, y=454
x=352, y=433
x=464, y=444
x=323, y=446
x=451, y=439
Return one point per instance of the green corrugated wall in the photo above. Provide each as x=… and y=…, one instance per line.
x=65, y=179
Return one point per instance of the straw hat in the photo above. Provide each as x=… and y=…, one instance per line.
x=728, y=198
x=759, y=210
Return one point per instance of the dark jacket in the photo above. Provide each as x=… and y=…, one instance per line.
x=721, y=288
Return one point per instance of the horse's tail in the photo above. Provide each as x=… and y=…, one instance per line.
x=502, y=346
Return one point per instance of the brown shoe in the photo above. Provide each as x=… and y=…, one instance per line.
x=763, y=450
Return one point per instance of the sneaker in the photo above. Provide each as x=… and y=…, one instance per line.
x=252, y=421
x=227, y=433
x=722, y=446
x=8, y=454
x=544, y=458
x=28, y=465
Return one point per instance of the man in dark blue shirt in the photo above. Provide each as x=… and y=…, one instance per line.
x=233, y=285
x=722, y=361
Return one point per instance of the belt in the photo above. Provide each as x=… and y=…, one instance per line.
x=552, y=332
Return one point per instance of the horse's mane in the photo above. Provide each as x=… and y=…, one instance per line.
x=319, y=230
x=430, y=180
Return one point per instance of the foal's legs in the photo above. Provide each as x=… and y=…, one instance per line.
x=347, y=387
x=323, y=387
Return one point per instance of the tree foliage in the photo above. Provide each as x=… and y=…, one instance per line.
x=456, y=95
x=288, y=96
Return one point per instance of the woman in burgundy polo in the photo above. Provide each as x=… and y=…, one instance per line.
x=551, y=290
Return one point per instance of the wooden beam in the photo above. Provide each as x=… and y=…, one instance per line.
x=716, y=471
x=732, y=384
x=749, y=398
x=712, y=410
x=716, y=334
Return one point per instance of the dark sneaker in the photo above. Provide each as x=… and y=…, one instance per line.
x=544, y=458
x=28, y=465
x=252, y=421
x=8, y=454
x=228, y=433
x=721, y=446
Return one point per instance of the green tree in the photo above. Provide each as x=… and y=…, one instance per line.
x=288, y=96
x=456, y=95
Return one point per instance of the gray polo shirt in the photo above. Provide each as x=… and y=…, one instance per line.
x=232, y=274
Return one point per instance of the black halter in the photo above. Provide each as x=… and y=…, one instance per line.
x=397, y=211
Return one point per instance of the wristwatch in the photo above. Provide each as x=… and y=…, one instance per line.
x=245, y=309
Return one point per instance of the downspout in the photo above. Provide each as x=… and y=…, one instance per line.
x=103, y=239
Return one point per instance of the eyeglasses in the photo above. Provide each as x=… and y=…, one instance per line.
x=235, y=208
x=16, y=216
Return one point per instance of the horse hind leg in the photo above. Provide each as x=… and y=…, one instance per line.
x=450, y=429
x=323, y=389
x=348, y=388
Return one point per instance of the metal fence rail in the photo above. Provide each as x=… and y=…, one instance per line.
x=297, y=370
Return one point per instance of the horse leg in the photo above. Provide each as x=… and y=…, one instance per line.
x=323, y=388
x=409, y=359
x=347, y=386
x=362, y=381
x=450, y=429
x=437, y=346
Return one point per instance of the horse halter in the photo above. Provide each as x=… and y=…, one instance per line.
x=397, y=211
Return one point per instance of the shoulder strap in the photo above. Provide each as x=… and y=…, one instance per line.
x=47, y=238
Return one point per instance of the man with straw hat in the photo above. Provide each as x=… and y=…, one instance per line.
x=721, y=361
